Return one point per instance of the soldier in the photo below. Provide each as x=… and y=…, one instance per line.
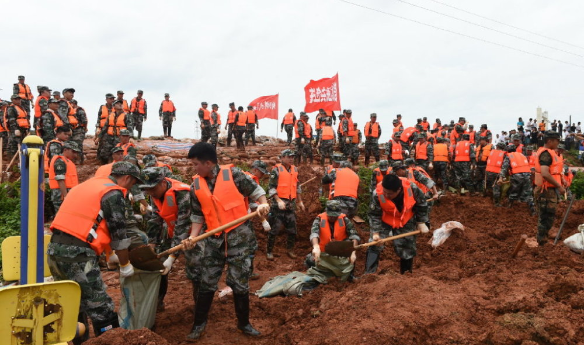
x=171, y=205
x=116, y=122
x=421, y=178
x=458, y=131
x=240, y=128
x=516, y=165
x=139, y=111
x=482, y=153
x=472, y=136
x=303, y=134
x=41, y=104
x=493, y=169
x=54, y=147
x=251, y=120
x=441, y=158
x=425, y=124
x=63, y=173
x=49, y=121
x=355, y=142
x=102, y=118
x=127, y=147
x=372, y=131
x=120, y=97
x=66, y=110
x=288, y=124
x=319, y=119
x=257, y=172
x=167, y=113
x=286, y=191
x=463, y=163
x=379, y=173
x=340, y=132
x=485, y=132
x=56, y=95
x=423, y=152
x=215, y=120
x=394, y=149
x=23, y=91
x=213, y=189
x=3, y=127
x=518, y=144
x=397, y=206
x=326, y=142
x=344, y=188
x=231, y=123
x=16, y=120
x=348, y=130
x=78, y=132
x=332, y=225
x=205, y=120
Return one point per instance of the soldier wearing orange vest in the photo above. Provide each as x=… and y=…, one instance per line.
x=340, y=140
x=102, y=117
x=168, y=114
x=79, y=130
x=348, y=130
x=326, y=141
x=344, y=188
x=303, y=137
x=252, y=125
x=90, y=221
x=425, y=124
x=41, y=104
x=127, y=147
x=493, y=169
x=3, y=126
x=518, y=144
x=319, y=121
x=215, y=120
x=422, y=151
x=464, y=163
x=205, y=120
x=54, y=147
x=379, y=173
x=472, y=135
x=285, y=189
x=372, y=131
x=23, y=90
x=241, y=120
x=482, y=153
x=331, y=225
x=437, y=125
x=516, y=166
x=218, y=196
x=109, y=136
x=394, y=149
x=549, y=184
x=139, y=113
x=17, y=121
x=288, y=124
x=230, y=124
x=66, y=110
x=49, y=122
x=354, y=150
x=441, y=159
x=120, y=97
x=63, y=173
x=397, y=206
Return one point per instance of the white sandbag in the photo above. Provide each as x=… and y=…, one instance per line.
x=442, y=234
x=139, y=299
x=575, y=241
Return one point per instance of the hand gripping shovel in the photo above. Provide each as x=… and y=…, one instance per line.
x=145, y=256
x=345, y=248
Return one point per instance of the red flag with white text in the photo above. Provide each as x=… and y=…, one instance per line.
x=322, y=94
x=266, y=107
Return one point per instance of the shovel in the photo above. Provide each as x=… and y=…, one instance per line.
x=345, y=248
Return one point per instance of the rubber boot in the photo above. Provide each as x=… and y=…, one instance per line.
x=405, y=265
x=80, y=339
x=372, y=259
x=104, y=326
x=290, y=245
x=139, y=134
x=162, y=291
x=169, y=132
x=253, y=275
x=204, y=301
x=164, y=131
x=367, y=161
x=270, y=246
x=242, y=306
x=195, y=285
x=531, y=208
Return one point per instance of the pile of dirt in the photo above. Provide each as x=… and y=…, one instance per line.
x=120, y=336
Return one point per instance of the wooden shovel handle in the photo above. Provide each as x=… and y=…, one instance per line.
x=387, y=239
x=210, y=233
x=519, y=245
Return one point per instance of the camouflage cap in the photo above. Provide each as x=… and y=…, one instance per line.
x=68, y=89
x=118, y=101
x=125, y=132
x=511, y=148
x=483, y=125
x=56, y=93
x=52, y=100
x=338, y=157
x=516, y=137
x=149, y=159
x=551, y=135
x=461, y=118
x=470, y=126
x=288, y=152
x=72, y=145
x=20, y=77
x=409, y=161
x=501, y=145
x=465, y=136
x=109, y=95
x=74, y=101
x=383, y=165
x=139, y=91
x=395, y=121
x=132, y=159
x=341, y=115
x=333, y=208
x=260, y=165
x=151, y=177
x=250, y=107
x=15, y=96
x=345, y=164
x=167, y=95
x=561, y=146
x=214, y=105
x=126, y=168
x=232, y=103
x=117, y=149
x=43, y=88
x=398, y=165
x=120, y=92
x=348, y=111
x=373, y=115
x=203, y=103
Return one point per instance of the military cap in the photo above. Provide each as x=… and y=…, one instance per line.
x=72, y=145
x=232, y=103
x=43, y=88
x=516, y=137
x=561, y=146
x=120, y=92
x=338, y=157
x=151, y=177
x=125, y=132
x=373, y=115
x=466, y=136
x=109, y=95
x=322, y=111
x=203, y=103
x=438, y=120
x=148, y=159
x=74, y=101
x=260, y=165
x=483, y=125
x=551, y=135
x=118, y=101
x=394, y=121
x=167, y=95
x=20, y=77
x=342, y=115
x=139, y=91
x=333, y=208
x=383, y=165
x=500, y=146
x=214, y=105
x=250, y=107
x=511, y=148
x=287, y=152
x=409, y=161
x=132, y=159
x=345, y=164
x=424, y=117
x=529, y=148
x=117, y=149
x=398, y=165
x=68, y=89
x=52, y=100
x=422, y=135
x=348, y=111
x=470, y=126
x=126, y=168
x=396, y=134
x=461, y=118
x=303, y=114
x=56, y=93
x=15, y=96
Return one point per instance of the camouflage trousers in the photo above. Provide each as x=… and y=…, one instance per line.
x=14, y=142
x=326, y=150
x=304, y=151
x=479, y=177
x=440, y=172
x=56, y=199
x=205, y=133
x=4, y=140
x=214, y=135
x=107, y=143
x=137, y=120
x=240, y=130
x=423, y=163
x=349, y=205
x=318, y=135
x=347, y=148
x=25, y=104
x=490, y=183
x=548, y=201
x=167, y=119
x=520, y=188
x=85, y=271
x=463, y=175
x=289, y=133
x=404, y=247
x=283, y=219
x=78, y=137
x=372, y=149
x=233, y=249
x=341, y=143
x=250, y=133
x=194, y=261
x=230, y=133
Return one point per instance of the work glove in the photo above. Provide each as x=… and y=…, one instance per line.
x=376, y=237
x=266, y=225
x=145, y=209
x=301, y=206
x=472, y=166
x=302, y=140
x=430, y=165
x=127, y=270
x=17, y=133
x=174, y=118
x=188, y=244
x=316, y=253
x=422, y=227
x=352, y=258
x=263, y=210
x=218, y=130
x=131, y=197
x=168, y=264
x=160, y=117
x=347, y=140
x=281, y=205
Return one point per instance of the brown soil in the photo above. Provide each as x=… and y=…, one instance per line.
x=120, y=336
x=467, y=291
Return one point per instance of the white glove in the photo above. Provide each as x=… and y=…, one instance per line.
x=376, y=237
x=301, y=206
x=130, y=197
x=316, y=253
x=266, y=225
x=347, y=140
x=174, y=119
x=263, y=210
x=160, y=117
x=302, y=140
x=430, y=165
x=17, y=133
x=406, y=153
x=168, y=264
x=352, y=258
x=422, y=227
x=113, y=259
x=281, y=204
x=126, y=271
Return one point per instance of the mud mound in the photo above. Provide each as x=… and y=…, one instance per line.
x=121, y=336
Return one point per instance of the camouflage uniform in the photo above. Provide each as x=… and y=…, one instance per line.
x=440, y=171
x=167, y=118
x=251, y=130
x=347, y=147
x=78, y=133
x=349, y=205
x=215, y=127
x=305, y=150
x=326, y=148
x=520, y=185
x=47, y=126
x=25, y=103
x=371, y=148
x=490, y=182
x=137, y=237
x=289, y=133
x=463, y=171
x=354, y=147
x=134, y=121
x=14, y=141
x=423, y=163
x=60, y=168
x=108, y=142
x=102, y=155
x=205, y=125
x=548, y=200
x=43, y=105
x=389, y=152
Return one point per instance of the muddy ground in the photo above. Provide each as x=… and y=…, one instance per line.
x=467, y=291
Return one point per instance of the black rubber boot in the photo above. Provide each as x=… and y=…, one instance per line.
x=78, y=340
x=204, y=300
x=139, y=134
x=372, y=259
x=531, y=208
x=290, y=245
x=270, y=246
x=405, y=265
x=162, y=291
x=367, y=161
x=164, y=131
x=169, y=132
x=253, y=275
x=195, y=285
x=104, y=326
x=242, y=306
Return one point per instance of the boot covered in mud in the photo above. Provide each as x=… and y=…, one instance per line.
x=291, y=240
x=204, y=301
x=242, y=306
x=270, y=246
x=372, y=259
x=406, y=265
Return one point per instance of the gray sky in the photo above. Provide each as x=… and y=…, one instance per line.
x=224, y=51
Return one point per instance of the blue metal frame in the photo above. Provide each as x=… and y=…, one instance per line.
x=24, y=196
x=41, y=220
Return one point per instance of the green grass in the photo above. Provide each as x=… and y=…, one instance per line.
x=577, y=185
x=9, y=211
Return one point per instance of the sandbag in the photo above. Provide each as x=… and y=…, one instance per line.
x=139, y=299
x=330, y=266
x=575, y=241
x=290, y=284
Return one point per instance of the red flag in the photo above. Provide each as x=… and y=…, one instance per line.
x=322, y=94
x=266, y=107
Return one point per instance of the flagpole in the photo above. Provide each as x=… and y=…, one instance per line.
x=277, y=101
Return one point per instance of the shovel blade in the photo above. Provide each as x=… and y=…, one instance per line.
x=339, y=248
x=145, y=259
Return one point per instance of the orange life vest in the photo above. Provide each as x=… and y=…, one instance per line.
x=168, y=106
x=346, y=183
x=242, y=119
x=317, y=122
x=104, y=171
x=86, y=223
x=327, y=133
x=436, y=125
x=46, y=158
x=350, y=128
x=519, y=148
x=441, y=153
x=38, y=111
x=70, y=175
x=24, y=91
x=379, y=175
x=56, y=118
x=307, y=130
x=395, y=129
x=482, y=153
x=555, y=169
x=375, y=130
x=252, y=176
x=225, y=204
x=251, y=116
x=104, y=115
x=421, y=150
x=163, y=165
x=125, y=106
x=485, y=133
x=396, y=153
x=407, y=134
x=21, y=117
x=168, y=208
x=232, y=116
x=462, y=151
x=390, y=214
x=116, y=123
x=569, y=179
x=137, y=106
x=287, y=182
x=218, y=116
x=518, y=163
x=425, y=125
x=71, y=115
x=472, y=137
x=125, y=147
x=410, y=177
x=453, y=137
x=495, y=161
x=288, y=118
x=356, y=137
x=532, y=160
x=339, y=230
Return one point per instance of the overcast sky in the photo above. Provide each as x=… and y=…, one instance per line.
x=224, y=51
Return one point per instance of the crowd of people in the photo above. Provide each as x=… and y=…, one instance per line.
x=410, y=172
